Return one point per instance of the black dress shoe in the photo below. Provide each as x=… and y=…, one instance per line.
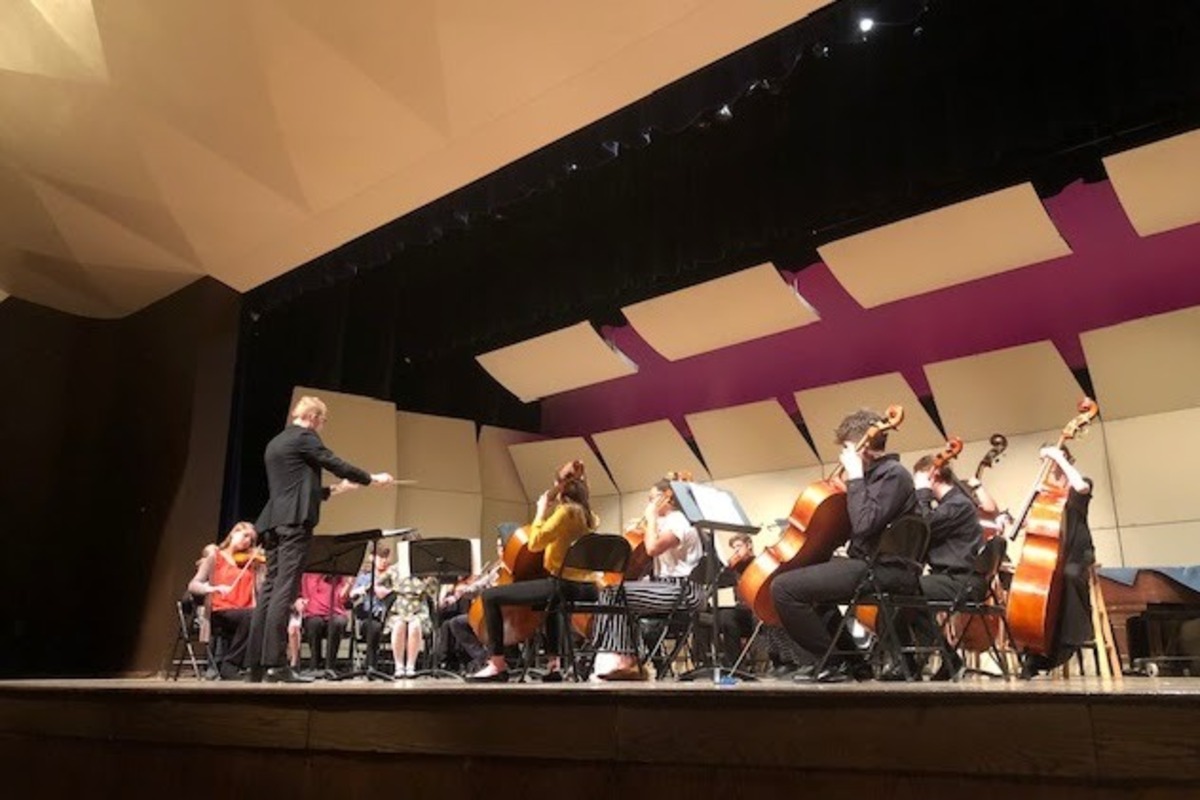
x=835, y=673
x=285, y=675
x=255, y=675
x=498, y=677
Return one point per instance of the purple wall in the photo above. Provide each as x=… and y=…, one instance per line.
x=1112, y=276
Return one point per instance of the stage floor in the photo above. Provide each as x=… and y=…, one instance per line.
x=979, y=738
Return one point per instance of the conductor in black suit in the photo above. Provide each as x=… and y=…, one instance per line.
x=294, y=460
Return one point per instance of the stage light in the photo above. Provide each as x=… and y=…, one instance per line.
x=724, y=113
x=866, y=24
x=820, y=50
x=612, y=146
x=570, y=167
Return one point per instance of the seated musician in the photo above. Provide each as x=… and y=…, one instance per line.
x=457, y=642
x=324, y=616
x=370, y=609
x=228, y=579
x=1075, y=612
x=879, y=490
x=551, y=533
x=409, y=621
x=675, y=546
x=955, y=536
x=732, y=623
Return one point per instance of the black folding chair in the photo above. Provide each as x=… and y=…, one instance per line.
x=987, y=614
x=187, y=638
x=599, y=560
x=901, y=545
x=676, y=625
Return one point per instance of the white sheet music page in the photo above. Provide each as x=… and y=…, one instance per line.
x=716, y=505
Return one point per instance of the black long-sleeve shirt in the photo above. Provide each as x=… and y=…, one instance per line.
x=955, y=534
x=884, y=493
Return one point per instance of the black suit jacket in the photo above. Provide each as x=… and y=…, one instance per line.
x=294, y=460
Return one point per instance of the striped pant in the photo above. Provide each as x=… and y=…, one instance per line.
x=613, y=633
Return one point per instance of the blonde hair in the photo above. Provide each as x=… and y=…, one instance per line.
x=307, y=407
x=241, y=526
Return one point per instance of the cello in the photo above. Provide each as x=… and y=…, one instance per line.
x=1034, y=598
x=519, y=563
x=818, y=525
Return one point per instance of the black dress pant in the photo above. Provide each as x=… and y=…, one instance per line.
x=529, y=593
x=807, y=598
x=372, y=631
x=287, y=550
x=316, y=629
x=231, y=627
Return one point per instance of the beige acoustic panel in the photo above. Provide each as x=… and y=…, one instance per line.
x=497, y=512
x=825, y=407
x=498, y=474
x=1156, y=183
x=639, y=456
x=608, y=508
x=748, y=439
x=750, y=304
x=1015, y=390
x=437, y=513
x=952, y=245
x=437, y=452
x=1146, y=366
x=1150, y=482
x=1175, y=544
x=537, y=464
x=1108, y=548
x=361, y=430
x=556, y=362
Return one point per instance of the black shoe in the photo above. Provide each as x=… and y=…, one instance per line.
x=553, y=676
x=228, y=672
x=255, y=675
x=784, y=671
x=835, y=673
x=499, y=677
x=285, y=675
x=894, y=675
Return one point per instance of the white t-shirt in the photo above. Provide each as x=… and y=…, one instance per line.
x=680, y=560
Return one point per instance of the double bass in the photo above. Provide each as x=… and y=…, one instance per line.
x=1035, y=595
x=818, y=525
x=519, y=563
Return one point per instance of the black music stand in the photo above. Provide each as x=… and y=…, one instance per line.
x=341, y=542
x=448, y=560
x=710, y=509
x=340, y=555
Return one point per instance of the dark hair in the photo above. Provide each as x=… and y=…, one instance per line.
x=665, y=486
x=923, y=463
x=855, y=427
x=942, y=474
x=575, y=491
x=741, y=537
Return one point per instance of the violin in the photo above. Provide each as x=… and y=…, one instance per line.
x=253, y=556
x=1035, y=594
x=818, y=525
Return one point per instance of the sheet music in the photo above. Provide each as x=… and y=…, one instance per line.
x=716, y=505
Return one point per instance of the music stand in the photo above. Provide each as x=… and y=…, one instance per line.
x=448, y=560
x=339, y=544
x=710, y=509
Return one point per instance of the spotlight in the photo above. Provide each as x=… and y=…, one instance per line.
x=866, y=24
x=612, y=147
x=724, y=113
x=570, y=167
x=463, y=217
x=645, y=137
x=820, y=50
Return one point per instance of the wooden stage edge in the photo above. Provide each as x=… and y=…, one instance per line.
x=156, y=738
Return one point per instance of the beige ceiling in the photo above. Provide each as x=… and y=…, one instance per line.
x=143, y=145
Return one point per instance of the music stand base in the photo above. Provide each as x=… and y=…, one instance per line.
x=437, y=672
x=716, y=674
x=371, y=674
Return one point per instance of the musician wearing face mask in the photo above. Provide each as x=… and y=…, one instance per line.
x=675, y=546
x=955, y=536
x=879, y=490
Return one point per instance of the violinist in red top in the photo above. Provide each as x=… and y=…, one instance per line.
x=228, y=578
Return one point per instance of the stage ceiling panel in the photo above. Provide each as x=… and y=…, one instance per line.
x=1146, y=366
x=1156, y=183
x=959, y=243
x=639, y=456
x=748, y=439
x=361, y=430
x=1011, y=391
x=538, y=462
x=736, y=308
x=438, y=452
x=556, y=362
x=824, y=408
x=317, y=123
